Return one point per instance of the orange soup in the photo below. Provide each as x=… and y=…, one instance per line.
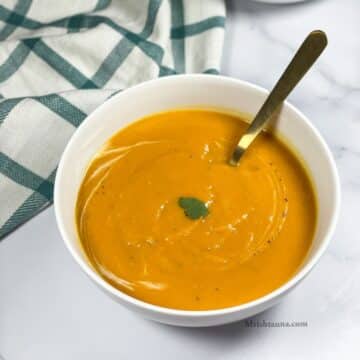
x=164, y=218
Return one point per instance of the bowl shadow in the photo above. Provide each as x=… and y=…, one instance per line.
x=236, y=333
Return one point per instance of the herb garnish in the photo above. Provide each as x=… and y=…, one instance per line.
x=193, y=207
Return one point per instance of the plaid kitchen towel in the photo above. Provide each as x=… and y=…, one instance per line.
x=60, y=59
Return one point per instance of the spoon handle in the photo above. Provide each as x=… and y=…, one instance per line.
x=304, y=58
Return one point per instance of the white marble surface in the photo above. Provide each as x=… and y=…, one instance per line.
x=49, y=309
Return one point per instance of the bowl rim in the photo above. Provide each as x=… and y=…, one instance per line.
x=161, y=310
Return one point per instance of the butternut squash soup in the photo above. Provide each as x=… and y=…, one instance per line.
x=164, y=218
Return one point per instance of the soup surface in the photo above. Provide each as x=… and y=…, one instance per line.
x=164, y=218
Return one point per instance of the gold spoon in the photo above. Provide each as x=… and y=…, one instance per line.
x=305, y=57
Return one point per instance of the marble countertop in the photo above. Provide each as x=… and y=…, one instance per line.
x=49, y=309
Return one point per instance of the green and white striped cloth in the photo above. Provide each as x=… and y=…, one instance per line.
x=60, y=59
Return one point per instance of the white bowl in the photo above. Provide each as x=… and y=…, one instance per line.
x=188, y=91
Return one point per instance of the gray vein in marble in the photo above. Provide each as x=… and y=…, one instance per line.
x=291, y=49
